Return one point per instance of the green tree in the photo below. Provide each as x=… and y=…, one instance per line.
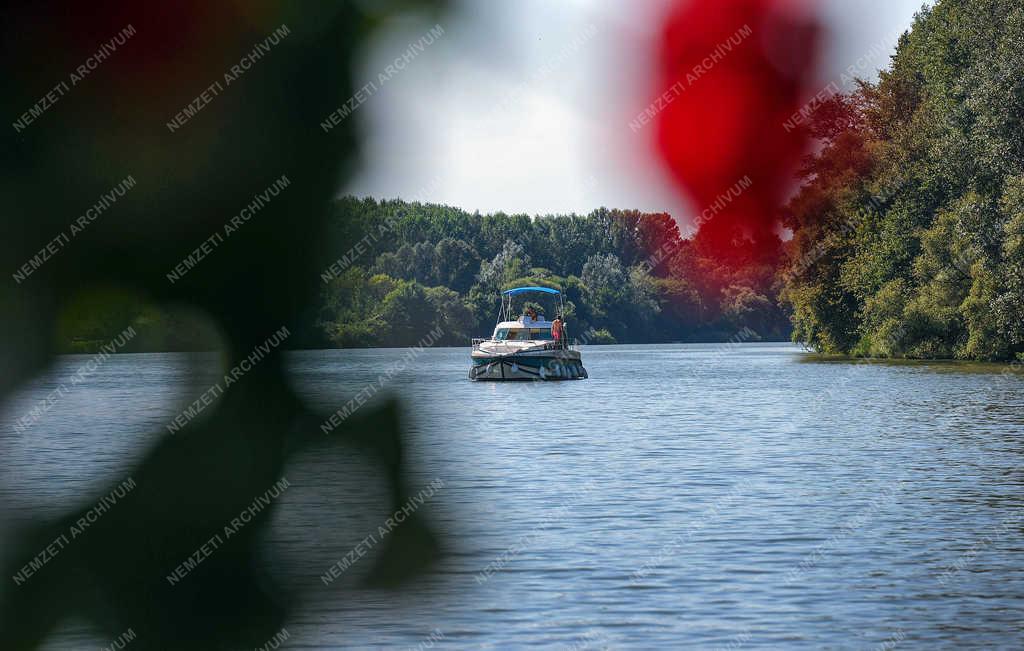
x=904, y=228
x=455, y=264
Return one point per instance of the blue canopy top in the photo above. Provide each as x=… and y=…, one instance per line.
x=523, y=290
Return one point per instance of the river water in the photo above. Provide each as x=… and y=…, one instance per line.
x=685, y=496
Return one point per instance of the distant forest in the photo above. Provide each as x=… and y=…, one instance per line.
x=401, y=270
x=627, y=276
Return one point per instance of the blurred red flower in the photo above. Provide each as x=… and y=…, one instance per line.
x=735, y=71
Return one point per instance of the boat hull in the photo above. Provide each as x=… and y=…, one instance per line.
x=546, y=366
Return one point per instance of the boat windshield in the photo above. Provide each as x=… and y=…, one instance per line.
x=523, y=334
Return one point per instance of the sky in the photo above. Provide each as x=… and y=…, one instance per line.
x=524, y=107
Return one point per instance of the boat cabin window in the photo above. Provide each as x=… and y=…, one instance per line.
x=524, y=334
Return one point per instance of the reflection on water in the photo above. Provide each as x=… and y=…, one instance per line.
x=691, y=495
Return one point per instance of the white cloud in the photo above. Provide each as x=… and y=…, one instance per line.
x=564, y=145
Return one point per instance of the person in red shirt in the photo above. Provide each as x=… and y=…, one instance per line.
x=556, y=329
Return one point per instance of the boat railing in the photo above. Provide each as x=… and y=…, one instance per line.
x=548, y=345
x=558, y=345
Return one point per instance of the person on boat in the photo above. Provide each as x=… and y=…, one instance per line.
x=532, y=313
x=556, y=329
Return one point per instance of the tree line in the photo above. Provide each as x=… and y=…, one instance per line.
x=628, y=276
x=909, y=228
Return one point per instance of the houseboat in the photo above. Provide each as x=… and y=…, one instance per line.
x=527, y=347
